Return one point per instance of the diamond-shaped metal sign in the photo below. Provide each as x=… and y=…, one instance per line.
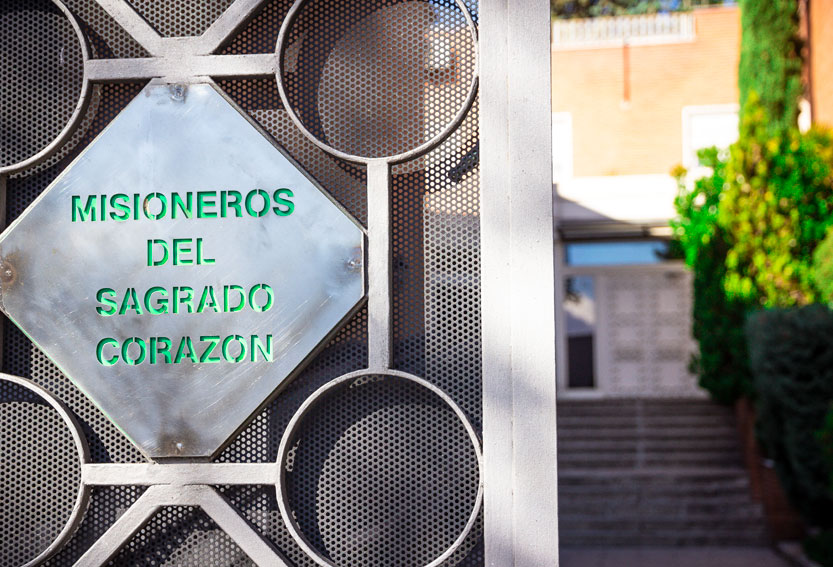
x=180, y=270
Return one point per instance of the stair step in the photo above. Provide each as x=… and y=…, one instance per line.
x=622, y=510
x=746, y=536
x=630, y=461
x=595, y=410
x=632, y=445
x=670, y=433
x=640, y=472
x=616, y=421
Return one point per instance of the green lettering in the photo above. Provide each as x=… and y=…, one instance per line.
x=160, y=346
x=184, y=343
x=206, y=357
x=263, y=195
x=225, y=204
x=226, y=304
x=87, y=213
x=101, y=297
x=265, y=350
x=125, y=351
x=187, y=208
x=122, y=208
x=187, y=299
x=281, y=198
x=227, y=348
x=130, y=302
x=200, y=259
x=181, y=248
x=163, y=245
x=269, y=298
x=208, y=294
x=203, y=202
x=161, y=305
x=163, y=209
x=99, y=352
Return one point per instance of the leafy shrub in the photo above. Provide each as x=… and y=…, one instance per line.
x=792, y=363
x=823, y=268
x=721, y=363
x=770, y=60
x=775, y=210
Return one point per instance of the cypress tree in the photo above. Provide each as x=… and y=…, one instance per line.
x=770, y=60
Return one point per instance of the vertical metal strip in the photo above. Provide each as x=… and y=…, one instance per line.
x=378, y=265
x=535, y=482
x=495, y=286
x=518, y=285
x=4, y=180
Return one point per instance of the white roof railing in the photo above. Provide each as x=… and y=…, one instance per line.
x=614, y=32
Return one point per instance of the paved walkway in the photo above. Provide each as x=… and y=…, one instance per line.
x=671, y=557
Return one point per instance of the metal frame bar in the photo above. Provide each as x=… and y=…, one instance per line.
x=518, y=332
x=378, y=266
x=135, y=25
x=181, y=474
x=83, y=496
x=180, y=69
x=519, y=429
x=80, y=108
x=226, y=26
x=178, y=59
x=212, y=503
x=348, y=381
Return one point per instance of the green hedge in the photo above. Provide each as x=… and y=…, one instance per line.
x=791, y=356
x=770, y=60
x=777, y=207
x=721, y=363
x=823, y=268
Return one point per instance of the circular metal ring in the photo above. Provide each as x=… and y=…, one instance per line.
x=292, y=429
x=424, y=148
x=77, y=114
x=82, y=499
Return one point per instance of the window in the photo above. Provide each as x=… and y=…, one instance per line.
x=617, y=253
x=706, y=126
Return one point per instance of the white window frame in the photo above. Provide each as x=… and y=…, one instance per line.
x=689, y=113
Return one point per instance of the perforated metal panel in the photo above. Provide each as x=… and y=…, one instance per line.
x=436, y=294
x=181, y=18
x=42, y=71
x=41, y=474
x=382, y=97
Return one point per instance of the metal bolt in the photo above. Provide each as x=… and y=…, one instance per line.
x=178, y=92
x=7, y=273
x=354, y=263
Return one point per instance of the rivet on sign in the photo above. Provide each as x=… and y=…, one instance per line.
x=354, y=263
x=178, y=92
x=7, y=273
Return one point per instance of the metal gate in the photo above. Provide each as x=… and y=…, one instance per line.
x=371, y=455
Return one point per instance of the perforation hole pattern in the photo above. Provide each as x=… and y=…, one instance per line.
x=181, y=18
x=183, y=536
x=40, y=471
x=436, y=306
x=107, y=39
x=41, y=73
x=375, y=78
x=373, y=455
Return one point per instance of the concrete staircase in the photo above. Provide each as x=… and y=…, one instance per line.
x=653, y=472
